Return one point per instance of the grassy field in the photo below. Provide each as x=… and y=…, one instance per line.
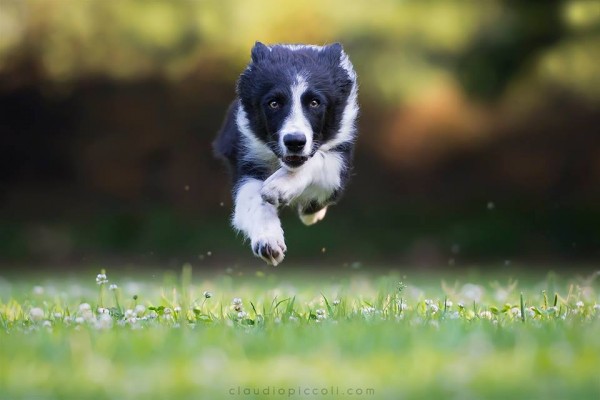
x=281, y=334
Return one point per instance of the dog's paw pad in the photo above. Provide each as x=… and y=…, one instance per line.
x=272, y=251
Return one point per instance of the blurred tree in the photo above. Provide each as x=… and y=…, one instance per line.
x=108, y=108
x=507, y=44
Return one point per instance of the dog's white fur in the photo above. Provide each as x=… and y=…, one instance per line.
x=296, y=122
x=255, y=149
x=257, y=202
x=317, y=179
x=258, y=219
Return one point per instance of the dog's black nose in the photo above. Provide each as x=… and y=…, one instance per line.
x=294, y=141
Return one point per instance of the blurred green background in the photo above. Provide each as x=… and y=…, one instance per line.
x=479, y=131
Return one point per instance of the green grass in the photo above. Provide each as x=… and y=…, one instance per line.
x=299, y=335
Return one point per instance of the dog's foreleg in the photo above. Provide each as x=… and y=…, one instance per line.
x=322, y=173
x=258, y=221
x=284, y=186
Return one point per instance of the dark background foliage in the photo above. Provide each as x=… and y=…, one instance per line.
x=479, y=131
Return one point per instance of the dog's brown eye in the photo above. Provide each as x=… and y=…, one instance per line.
x=314, y=103
x=274, y=104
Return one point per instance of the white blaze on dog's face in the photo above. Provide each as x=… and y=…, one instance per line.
x=292, y=138
x=296, y=100
x=296, y=133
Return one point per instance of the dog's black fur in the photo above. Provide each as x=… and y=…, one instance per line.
x=288, y=138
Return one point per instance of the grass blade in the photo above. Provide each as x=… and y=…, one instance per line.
x=522, y=308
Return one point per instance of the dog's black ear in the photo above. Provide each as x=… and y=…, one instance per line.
x=334, y=52
x=259, y=52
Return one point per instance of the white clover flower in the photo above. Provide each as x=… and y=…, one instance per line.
x=129, y=313
x=102, y=310
x=167, y=311
x=101, y=279
x=553, y=309
x=67, y=320
x=87, y=315
x=36, y=314
x=208, y=295
x=47, y=324
x=460, y=305
x=237, y=304
x=453, y=315
x=579, y=304
x=597, y=307
x=152, y=314
x=242, y=314
x=103, y=322
x=368, y=311
x=320, y=314
x=113, y=286
x=38, y=290
x=140, y=309
x=472, y=292
x=403, y=306
x=79, y=320
x=428, y=302
x=449, y=303
x=277, y=320
x=85, y=307
x=293, y=318
x=486, y=315
x=336, y=302
x=177, y=309
x=57, y=315
x=530, y=312
x=433, y=308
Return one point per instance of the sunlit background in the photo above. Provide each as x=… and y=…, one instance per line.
x=479, y=132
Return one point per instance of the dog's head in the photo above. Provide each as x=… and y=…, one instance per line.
x=297, y=99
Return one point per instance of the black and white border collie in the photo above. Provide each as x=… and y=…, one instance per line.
x=288, y=138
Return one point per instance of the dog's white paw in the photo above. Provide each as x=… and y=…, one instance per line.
x=310, y=219
x=280, y=189
x=269, y=248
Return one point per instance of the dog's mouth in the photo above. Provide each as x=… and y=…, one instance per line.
x=294, y=161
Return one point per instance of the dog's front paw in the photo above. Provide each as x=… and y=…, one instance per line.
x=270, y=249
x=280, y=188
x=270, y=194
